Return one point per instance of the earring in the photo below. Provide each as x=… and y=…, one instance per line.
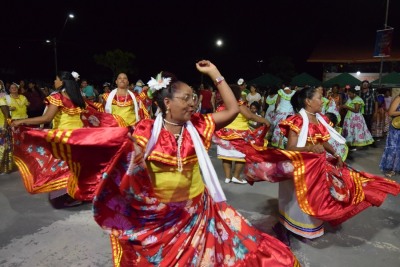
x=167, y=111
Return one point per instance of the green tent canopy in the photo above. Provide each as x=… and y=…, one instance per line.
x=343, y=80
x=266, y=80
x=305, y=79
x=391, y=79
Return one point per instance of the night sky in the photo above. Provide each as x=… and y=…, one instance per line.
x=172, y=35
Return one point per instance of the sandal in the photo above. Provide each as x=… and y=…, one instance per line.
x=389, y=174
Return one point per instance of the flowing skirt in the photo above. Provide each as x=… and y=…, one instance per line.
x=322, y=190
x=355, y=130
x=198, y=232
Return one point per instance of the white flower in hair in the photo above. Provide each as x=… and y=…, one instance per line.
x=75, y=75
x=158, y=83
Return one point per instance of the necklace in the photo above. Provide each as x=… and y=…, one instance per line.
x=310, y=113
x=178, y=138
x=178, y=153
x=126, y=97
x=173, y=123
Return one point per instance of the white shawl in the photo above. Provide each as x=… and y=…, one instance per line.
x=111, y=97
x=207, y=169
x=301, y=142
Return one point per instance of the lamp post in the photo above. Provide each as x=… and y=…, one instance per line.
x=386, y=26
x=70, y=16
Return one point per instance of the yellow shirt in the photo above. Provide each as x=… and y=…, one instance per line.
x=127, y=113
x=64, y=121
x=20, y=103
x=173, y=186
x=3, y=102
x=239, y=123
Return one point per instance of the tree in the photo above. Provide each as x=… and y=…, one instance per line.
x=117, y=60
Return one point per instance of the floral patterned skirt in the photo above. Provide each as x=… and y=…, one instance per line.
x=198, y=232
x=355, y=130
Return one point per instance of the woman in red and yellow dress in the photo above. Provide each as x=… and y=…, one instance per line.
x=124, y=103
x=238, y=129
x=152, y=198
x=44, y=172
x=314, y=188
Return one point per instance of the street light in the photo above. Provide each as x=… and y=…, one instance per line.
x=70, y=16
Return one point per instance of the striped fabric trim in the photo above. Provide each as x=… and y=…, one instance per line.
x=116, y=251
x=308, y=231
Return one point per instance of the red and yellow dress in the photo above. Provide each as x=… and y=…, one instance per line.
x=238, y=129
x=158, y=216
x=320, y=189
x=124, y=107
x=44, y=157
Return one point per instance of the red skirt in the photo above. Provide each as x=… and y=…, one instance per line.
x=196, y=232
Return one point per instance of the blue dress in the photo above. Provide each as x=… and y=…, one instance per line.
x=391, y=155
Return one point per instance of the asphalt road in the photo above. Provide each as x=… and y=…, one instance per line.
x=32, y=233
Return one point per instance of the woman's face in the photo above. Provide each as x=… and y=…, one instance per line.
x=351, y=95
x=314, y=105
x=13, y=89
x=122, y=81
x=252, y=89
x=57, y=82
x=182, y=105
x=253, y=109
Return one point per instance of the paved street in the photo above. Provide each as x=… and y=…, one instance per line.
x=32, y=233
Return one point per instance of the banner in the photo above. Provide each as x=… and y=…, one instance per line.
x=383, y=43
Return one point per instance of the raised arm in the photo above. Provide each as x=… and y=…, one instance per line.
x=224, y=117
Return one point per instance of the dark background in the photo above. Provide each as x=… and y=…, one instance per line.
x=172, y=35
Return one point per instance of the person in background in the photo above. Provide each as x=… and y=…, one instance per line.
x=239, y=128
x=368, y=95
x=124, y=103
x=390, y=161
x=253, y=96
x=243, y=87
x=18, y=104
x=207, y=99
x=6, y=144
x=255, y=109
x=106, y=90
x=21, y=87
x=35, y=97
x=138, y=87
x=378, y=120
x=87, y=90
x=355, y=129
x=67, y=110
x=283, y=109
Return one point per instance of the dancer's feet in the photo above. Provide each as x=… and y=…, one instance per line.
x=237, y=181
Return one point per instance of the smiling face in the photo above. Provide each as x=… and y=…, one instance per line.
x=122, y=81
x=182, y=105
